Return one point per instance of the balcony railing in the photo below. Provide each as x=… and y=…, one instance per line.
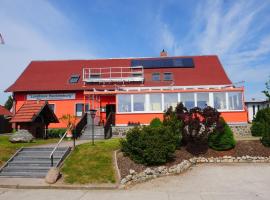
x=113, y=74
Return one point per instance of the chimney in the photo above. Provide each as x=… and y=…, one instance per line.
x=163, y=53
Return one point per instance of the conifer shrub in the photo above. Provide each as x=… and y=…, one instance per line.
x=222, y=140
x=156, y=122
x=149, y=145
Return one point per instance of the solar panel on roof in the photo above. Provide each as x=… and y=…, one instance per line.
x=164, y=63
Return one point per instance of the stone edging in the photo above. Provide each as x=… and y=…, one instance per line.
x=115, y=164
x=151, y=173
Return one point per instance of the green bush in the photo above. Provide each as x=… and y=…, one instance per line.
x=156, y=122
x=175, y=125
x=266, y=135
x=56, y=132
x=260, y=124
x=223, y=140
x=258, y=129
x=149, y=145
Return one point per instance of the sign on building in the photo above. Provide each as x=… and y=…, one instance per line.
x=59, y=96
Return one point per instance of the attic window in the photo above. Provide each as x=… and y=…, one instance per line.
x=156, y=76
x=168, y=76
x=74, y=78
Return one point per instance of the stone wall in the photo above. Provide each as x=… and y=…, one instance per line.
x=151, y=173
x=241, y=130
x=120, y=131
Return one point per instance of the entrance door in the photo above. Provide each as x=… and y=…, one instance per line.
x=110, y=108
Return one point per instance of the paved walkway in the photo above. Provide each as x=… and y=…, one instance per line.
x=208, y=181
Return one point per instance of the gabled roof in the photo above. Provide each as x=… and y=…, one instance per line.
x=55, y=75
x=30, y=110
x=4, y=111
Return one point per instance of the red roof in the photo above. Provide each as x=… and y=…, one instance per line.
x=4, y=111
x=55, y=75
x=30, y=110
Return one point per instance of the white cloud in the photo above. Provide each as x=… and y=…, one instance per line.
x=234, y=30
x=34, y=30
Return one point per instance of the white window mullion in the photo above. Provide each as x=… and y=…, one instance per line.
x=179, y=97
x=147, y=103
x=132, y=106
x=227, y=101
x=195, y=99
x=211, y=99
x=162, y=102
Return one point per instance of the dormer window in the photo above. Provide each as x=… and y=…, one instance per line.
x=167, y=76
x=74, y=79
x=156, y=76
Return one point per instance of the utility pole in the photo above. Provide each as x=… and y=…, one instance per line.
x=1, y=39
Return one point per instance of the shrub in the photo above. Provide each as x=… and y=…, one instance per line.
x=171, y=122
x=198, y=124
x=155, y=122
x=260, y=124
x=223, y=140
x=258, y=129
x=56, y=132
x=149, y=145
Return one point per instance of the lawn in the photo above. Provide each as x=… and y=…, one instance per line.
x=91, y=164
x=7, y=149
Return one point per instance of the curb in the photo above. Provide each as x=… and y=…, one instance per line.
x=62, y=187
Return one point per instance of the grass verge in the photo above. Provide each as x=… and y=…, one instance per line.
x=7, y=149
x=91, y=164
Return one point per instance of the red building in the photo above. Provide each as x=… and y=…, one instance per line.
x=135, y=89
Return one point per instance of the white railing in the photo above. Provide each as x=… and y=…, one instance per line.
x=114, y=74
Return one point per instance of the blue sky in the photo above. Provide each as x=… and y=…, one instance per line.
x=237, y=31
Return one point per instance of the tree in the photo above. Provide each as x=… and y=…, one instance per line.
x=267, y=91
x=198, y=124
x=70, y=121
x=9, y=103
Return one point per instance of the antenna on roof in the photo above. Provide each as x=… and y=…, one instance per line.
x=239, y=83
x=1, y=39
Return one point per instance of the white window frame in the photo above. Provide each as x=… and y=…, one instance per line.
x=211, y=102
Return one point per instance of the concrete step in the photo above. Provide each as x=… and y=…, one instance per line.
x=32, y=169
x=44, y=149
x=24, y=174
x=35, y=158
x=29, y=164
x=40, y=153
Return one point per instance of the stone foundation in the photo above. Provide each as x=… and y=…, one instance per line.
x=120, y=131
x=241, y=130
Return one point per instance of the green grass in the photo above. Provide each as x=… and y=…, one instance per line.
x=91, y=164
x=7, y=149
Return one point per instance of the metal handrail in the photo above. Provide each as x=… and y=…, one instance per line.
x=57, y=145
x=112, y=71
x=1, y=168
x=107, y=125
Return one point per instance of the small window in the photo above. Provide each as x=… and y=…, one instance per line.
x=156, y=77
x=168, y=76
x=52, y=107
x=79, y=109
x=74, y=79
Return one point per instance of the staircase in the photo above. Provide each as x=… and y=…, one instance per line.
x=33, y=162
x=87, y=133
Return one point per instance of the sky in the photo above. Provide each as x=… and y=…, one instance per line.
x=237, y=31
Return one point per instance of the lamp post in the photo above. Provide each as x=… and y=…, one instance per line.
x=93, y=115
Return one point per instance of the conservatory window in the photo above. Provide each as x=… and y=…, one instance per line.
x=139, y=102
x=155, y=102
x=202, y=99
x=124, y=103
x=188, y=100
x=170, y=99
x=235, y=101
x=220, y=100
